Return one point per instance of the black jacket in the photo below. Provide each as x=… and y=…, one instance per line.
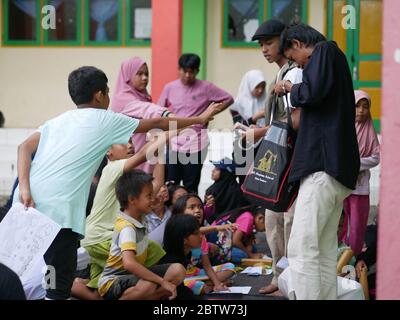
x=327, y=138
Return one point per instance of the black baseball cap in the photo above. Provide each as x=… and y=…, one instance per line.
x=269, y=29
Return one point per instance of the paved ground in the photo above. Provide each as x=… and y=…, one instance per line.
x=244, y=280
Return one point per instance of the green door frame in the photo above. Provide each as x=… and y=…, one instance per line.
x=353, y=49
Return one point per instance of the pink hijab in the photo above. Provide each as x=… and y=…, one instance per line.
x=368, y=143
x=124, y=93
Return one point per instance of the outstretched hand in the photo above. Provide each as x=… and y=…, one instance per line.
x=210, y=112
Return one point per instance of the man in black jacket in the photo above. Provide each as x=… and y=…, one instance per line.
x=326, y=158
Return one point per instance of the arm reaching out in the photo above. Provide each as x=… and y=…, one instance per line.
x=146, y=125
x=25, y=152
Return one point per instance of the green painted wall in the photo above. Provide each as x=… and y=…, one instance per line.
x=194, y=31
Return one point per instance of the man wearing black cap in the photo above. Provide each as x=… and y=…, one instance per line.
x=277, y=225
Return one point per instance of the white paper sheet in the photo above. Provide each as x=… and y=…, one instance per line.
x=25, y=236
x=283, y=263
x=242, y=290
x=253, y=271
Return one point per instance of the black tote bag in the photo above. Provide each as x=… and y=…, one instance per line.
x=267, y=182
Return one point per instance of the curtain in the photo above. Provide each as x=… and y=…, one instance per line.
x=101, y=11
x=29, y=6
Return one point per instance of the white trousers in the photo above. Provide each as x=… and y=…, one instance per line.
x=312, y=248
x=347, y=289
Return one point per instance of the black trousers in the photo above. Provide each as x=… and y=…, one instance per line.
x=185, y=167
x=61, y=259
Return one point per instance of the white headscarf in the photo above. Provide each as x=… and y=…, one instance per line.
x=245, y=103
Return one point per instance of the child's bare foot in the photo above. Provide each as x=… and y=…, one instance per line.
x=268, y=289
x=277, y=293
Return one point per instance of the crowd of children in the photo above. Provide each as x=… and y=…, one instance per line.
x=149, y=237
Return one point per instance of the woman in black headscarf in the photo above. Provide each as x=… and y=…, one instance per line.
x=225, y=193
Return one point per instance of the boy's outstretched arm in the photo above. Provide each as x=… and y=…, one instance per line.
x=25, y=151
x=150, y=148
x=159, y=177
x=146, y=125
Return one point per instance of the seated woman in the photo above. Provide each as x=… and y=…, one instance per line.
x=200, y=264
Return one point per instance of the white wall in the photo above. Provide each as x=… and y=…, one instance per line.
x=34, y=81
x=9, y=141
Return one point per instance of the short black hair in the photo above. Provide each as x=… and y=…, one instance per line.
x=177, y=229
x=84, y=82
x=131, y=184
x=172, y=187
x=189, y=61
x=180, y=205
x=301, y=32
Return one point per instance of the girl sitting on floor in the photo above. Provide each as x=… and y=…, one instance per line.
x=247, y=219
x=200, y=264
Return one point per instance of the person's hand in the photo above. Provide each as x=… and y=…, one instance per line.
x=230, y=226
x=282, y=87
x=162, y=194
x=169, y=287
x=210, y=201
x=220, y=287
x=359, y=266
x=250, y=136
x=259, y=115
x=210, y=112
x=25, y=197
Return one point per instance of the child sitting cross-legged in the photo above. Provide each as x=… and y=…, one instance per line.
x=100, y=222
x=125, y=277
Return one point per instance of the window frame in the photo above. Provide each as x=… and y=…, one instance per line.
x=69, y=43
x=128, y=41
x=265, y=13
x=82, y=26
x=6, y=41
x=90, y=43
x=304, y=15
x=226, y=43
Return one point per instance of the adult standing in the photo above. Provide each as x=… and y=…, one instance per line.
x=186, y=97
x=326, y=158
x=277, y=224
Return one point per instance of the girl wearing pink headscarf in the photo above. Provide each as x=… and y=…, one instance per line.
x=356, y=206
x=132, y=99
